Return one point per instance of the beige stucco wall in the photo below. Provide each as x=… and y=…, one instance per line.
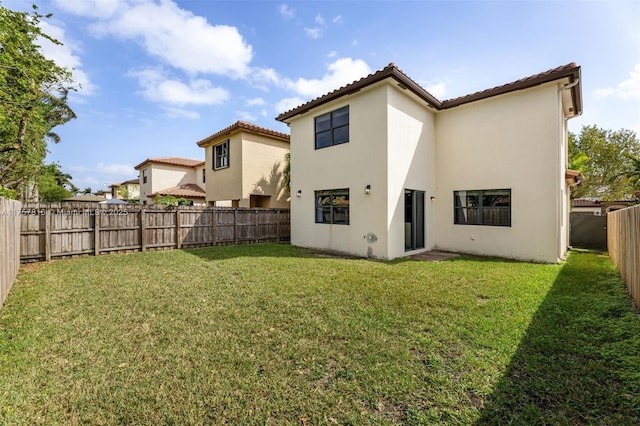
x=391, y=147
x=263, y=161
x=505, y=142
x=252, y=157
x=163, y=176
x=353, y=165
x=225, y=183
x=411, y=165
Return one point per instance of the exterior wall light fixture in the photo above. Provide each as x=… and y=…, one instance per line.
x=367, y=189
x=299, y=193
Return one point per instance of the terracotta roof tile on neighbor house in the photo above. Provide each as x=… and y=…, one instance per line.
x=189, y=190
x=174, y=161
x=570, y=71
x=130, y=182
x=248, y=127
x=581, y=202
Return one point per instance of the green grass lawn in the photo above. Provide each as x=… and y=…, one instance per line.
x=273, y=334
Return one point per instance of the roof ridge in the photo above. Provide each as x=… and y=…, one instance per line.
x=405, y=82
x=568, y=66
x=243, y=125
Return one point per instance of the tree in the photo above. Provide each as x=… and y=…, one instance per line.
x=286, y=173
x=170, y=200
x=602, y=156
x=631, y=174
x=33, y=98
x=54, y=185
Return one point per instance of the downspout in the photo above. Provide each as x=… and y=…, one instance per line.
x=564, y=217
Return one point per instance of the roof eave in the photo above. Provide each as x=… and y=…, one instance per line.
x=572, y=73
x=391, y=71
x=241, y=126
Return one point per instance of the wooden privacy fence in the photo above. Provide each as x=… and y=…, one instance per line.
x=62, y=230
x=9, y=245
x=623, y=238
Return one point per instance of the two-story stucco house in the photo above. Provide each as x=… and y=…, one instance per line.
x=127, y=190
x=174, y=176
x=244, y=165
x=382, y=168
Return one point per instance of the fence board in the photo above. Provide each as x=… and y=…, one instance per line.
x=10, y=239
x=623, y=237
x=54, y=230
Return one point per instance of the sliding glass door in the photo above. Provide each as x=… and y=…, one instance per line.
x=413, y=220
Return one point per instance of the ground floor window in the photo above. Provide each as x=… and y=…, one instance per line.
x=491, y=207
x=332, y=206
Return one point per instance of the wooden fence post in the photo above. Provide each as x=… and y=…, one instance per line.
x=96, y=233
x=178, y=227
x=47, y=235
x=255, y=219
x=143, y=229
x=213, y=225
x=235, y=225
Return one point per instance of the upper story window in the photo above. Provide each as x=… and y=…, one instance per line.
x=332, y=128
x=332, y=206
x=221, y=155
x=144, y=176
x=491, y=207
x=204, y=175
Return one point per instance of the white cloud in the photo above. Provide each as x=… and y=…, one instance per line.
x=174, y=35
x=246, y=116
x=101, y=175
x=157, y=86
x=173, y=112
x=90, y=8
x=439, y=90
x=337, y=19
x=332, y=54
x=315, y=32
x=627, y=89
x=342, y=71
x=261, y=76
x=286, y=11
x=288, y=104
x=319, y=20
x=63, y=55
x=255, y=102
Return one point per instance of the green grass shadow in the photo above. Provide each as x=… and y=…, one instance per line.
x=579, y=360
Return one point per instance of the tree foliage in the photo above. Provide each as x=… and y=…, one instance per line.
x=33, y=98
x=605, y=159
x=170, y=200
x=286, y=173
x=54, y=185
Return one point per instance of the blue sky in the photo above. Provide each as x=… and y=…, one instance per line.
x=156, y=76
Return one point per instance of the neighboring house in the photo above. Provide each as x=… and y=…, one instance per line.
x=381, y=168
x=598, y=207
x=171, y=176
x=104, y=194
x=127, y=190
x=189, y=191
x=244, y=165
x=585, y=206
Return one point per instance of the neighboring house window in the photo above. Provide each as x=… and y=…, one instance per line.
x=332, y=128
x=221, y=155
x=332, y=206
x=144, y=176
x=490, y=207
x=204, y=175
